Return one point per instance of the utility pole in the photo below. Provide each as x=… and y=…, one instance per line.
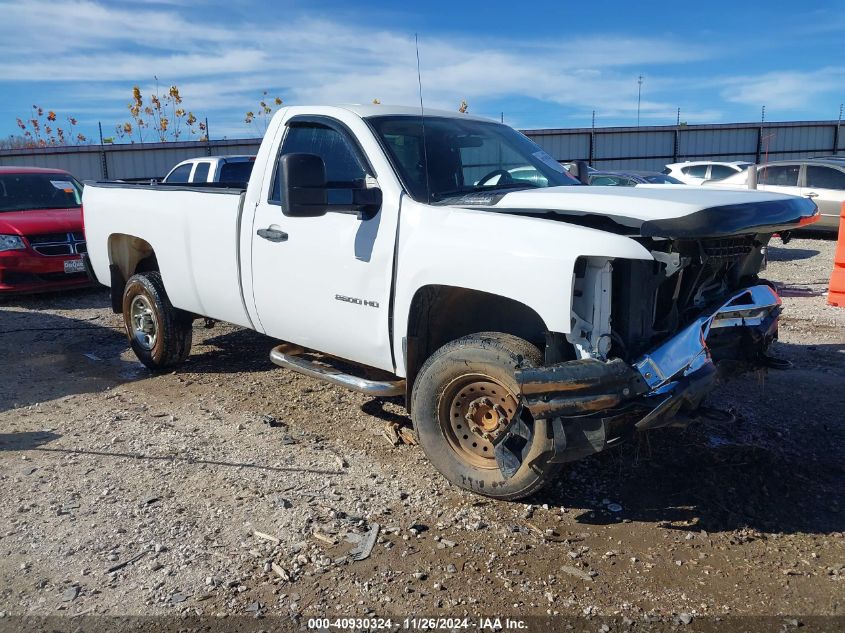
x=639, y=97
x=836, y=135
x=677, y=143
x=104, y=163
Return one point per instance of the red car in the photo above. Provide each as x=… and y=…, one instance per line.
x=41, y=233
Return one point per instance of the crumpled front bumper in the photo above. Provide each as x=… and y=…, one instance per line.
x=676, y=374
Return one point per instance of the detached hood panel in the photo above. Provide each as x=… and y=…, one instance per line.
x=662, y=211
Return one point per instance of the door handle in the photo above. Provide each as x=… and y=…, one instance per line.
x=812, y=194
x=273, y=235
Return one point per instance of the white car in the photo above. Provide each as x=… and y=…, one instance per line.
x=696, y=172
x=527, y=319
x=822, y=180
x=226, y=169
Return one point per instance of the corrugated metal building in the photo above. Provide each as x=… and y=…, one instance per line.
x=605, y=148
x=654, y=146
x=130, y=161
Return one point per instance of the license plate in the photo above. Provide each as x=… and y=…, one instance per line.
x=74, y=266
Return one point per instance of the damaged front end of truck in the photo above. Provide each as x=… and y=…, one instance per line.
x=650, y=340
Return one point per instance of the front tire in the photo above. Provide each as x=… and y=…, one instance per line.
x=159, y=334
x=463, y=398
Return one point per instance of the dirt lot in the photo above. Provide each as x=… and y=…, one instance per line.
x=129, y=493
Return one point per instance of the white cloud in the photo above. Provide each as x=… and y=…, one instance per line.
x=100, y=51
x=786, y=89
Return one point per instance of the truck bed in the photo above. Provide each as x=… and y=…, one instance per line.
x=179, y=222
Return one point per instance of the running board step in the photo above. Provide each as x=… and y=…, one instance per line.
x=290, y=357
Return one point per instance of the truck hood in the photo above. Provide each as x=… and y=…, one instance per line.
x=39, y=221
x=657, y=210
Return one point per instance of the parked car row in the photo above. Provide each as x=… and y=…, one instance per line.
x=820, y=179
x=697, y=172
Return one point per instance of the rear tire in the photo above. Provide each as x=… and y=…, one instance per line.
x=466, y=390
x=159, y=334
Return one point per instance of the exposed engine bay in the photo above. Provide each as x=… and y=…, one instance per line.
x=650, y=339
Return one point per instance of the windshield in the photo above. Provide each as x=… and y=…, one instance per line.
x=20, y=192
x=464, y=157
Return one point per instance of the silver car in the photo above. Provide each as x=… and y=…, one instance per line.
x=820, y=179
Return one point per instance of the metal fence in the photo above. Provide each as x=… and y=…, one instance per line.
x=130, y=161
x=653, y=147
x=606, y=148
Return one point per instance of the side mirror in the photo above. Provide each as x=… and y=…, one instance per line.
x=307, y=193
x=304, y=182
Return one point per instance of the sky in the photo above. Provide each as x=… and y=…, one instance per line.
x=536, y=65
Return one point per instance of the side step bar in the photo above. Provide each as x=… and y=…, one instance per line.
x=289, y=357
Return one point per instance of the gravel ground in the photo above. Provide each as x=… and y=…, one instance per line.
x=233, y=487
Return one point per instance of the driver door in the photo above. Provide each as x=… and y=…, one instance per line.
x=324, y=282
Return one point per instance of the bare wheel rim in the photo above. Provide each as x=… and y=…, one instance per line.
x=474, y=411
x=143, y=322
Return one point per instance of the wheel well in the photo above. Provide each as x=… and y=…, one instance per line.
x=440, y=314
x=128, y=255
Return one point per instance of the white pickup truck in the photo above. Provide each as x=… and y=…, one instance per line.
x=526, y=319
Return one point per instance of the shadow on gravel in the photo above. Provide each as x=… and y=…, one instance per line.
x=187, y=460
x=47, y=356
x=71, y=299
x=375, y=408
x=26, y=440
x=238, y=351
x=778, y=468
x=780, y=254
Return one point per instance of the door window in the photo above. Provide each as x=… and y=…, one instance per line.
x=717, y=172
x=201, y=172
x=343, y=168
x=779, y=175
x=820, y=177
x=696, y=171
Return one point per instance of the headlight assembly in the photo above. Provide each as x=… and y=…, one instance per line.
x=11, y=243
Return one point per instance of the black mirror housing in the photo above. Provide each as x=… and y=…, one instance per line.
x=307, y=193
x=304, y=181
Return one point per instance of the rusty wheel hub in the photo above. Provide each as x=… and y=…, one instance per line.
x=479, y=410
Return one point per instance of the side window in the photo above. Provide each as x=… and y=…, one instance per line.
x=201, y=172
x=717, y=172
x=236, y=172
x=180, y=174
x=821, y=177
x=779, y=175
x=343, y=169
x=696, y=171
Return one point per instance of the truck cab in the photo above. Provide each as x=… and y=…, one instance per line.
x=227, y=169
